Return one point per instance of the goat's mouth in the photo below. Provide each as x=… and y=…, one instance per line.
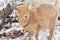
x=26, y=25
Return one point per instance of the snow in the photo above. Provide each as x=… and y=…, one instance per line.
x=0, y=21
x=1, y=0
x=14, y=13
x=2, y=31
x=43, y=35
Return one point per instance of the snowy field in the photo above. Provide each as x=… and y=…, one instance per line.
x=43, y=35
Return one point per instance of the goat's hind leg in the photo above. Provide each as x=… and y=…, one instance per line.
x=52, y=26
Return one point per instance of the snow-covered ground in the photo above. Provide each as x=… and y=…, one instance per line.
x=43, y=35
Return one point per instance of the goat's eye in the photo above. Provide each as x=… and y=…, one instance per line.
x=26, y=16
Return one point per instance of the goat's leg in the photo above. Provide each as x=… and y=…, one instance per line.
x=29, y=36
x=36, y=35
x=52, y=26
x=51, y=33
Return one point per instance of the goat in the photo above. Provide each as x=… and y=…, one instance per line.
x=42, y=17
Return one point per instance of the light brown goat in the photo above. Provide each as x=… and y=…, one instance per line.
x=39, y=18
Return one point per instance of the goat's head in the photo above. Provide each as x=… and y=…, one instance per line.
x=23, y=15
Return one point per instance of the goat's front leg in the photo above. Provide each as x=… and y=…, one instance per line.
x=36, y=34
x=29, y=36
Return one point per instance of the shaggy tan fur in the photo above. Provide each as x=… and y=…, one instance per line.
x=40, y=18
